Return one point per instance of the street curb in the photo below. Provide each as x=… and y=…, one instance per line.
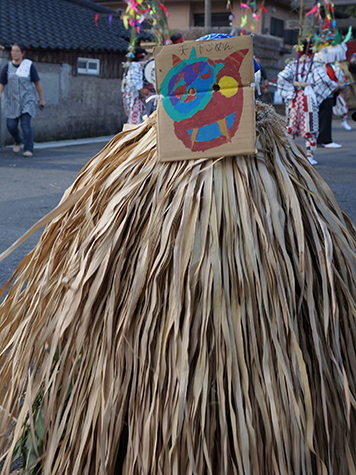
x=67, y=143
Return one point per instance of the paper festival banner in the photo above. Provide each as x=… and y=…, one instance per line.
x=206, y=101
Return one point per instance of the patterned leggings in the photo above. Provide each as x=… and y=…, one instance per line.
x=303, y=121
x=137, y=111
x=340, y=108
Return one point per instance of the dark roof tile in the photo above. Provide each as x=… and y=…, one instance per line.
x=62, y=24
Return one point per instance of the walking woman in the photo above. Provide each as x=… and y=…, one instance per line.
x=22, y=79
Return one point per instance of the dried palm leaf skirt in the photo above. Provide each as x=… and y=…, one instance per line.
x=192, y=317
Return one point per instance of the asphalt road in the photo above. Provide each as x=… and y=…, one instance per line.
x=31, y=187
x=338, y=166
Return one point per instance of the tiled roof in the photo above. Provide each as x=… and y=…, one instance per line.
x=61, y=24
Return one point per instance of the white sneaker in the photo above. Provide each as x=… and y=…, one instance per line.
x=27, y=154
x=345, y=125
x=312, y=161
x=331, y=145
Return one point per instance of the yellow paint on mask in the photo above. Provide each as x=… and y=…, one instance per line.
x=228, y=86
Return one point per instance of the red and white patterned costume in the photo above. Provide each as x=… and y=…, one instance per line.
x=303, y=120
x=340, y=108
x=302, y=103
x=134, y=104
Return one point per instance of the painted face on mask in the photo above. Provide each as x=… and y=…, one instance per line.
x=204, y=98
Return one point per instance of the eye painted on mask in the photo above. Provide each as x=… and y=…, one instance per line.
x=188, y=86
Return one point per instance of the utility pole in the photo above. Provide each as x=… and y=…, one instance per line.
x=300, y=23
x=3, y=61
x=207, y=16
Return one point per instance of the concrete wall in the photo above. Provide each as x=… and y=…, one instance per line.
x=76, y=106
x=179, y=14
x=270, y=49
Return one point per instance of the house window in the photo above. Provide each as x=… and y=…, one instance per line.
x=88, y=66
x=277, y=27
x=217, y=19
x=291, y=37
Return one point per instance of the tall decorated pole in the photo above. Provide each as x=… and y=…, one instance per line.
x=149, y=11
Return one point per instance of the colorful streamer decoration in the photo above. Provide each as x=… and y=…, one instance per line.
x=348, y=36
x=139, y=11
x=321, y=25
x=152, y=11
x=315, y=10
x=243, y=21
x=325, y=21
x=255, y=13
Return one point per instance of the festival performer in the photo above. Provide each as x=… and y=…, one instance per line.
x=352, y=70
x=193, y=316
x=134, y=92
x=340, y=108
x=304, y=84
x=326, y=113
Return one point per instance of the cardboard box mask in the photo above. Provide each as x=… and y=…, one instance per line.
x=206, y=103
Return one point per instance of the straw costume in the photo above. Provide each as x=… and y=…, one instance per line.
x=188, y=317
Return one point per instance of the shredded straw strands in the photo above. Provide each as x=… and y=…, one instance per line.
x=193, y=317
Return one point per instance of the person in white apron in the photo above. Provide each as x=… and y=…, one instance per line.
x=22, y=80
